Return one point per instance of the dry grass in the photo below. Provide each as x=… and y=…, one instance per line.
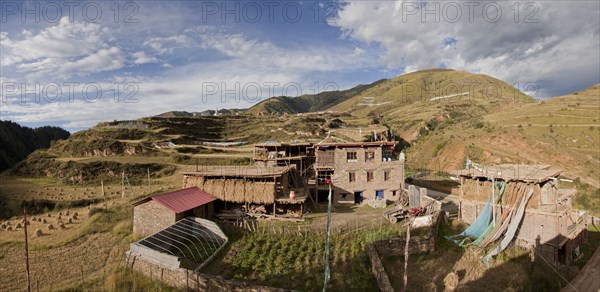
x=85, y=244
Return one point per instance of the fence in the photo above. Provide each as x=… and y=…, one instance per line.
x=306, y=229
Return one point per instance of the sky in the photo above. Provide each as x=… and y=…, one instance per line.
x=74, y=64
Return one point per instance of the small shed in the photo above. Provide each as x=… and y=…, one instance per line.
x=157, y=212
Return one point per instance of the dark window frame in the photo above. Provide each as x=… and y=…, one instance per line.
x=351, y=154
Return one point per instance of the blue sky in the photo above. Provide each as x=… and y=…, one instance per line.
x=197, y=55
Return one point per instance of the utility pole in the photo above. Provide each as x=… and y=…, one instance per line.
x=493, y=201
x=26, y=251
x=406, y=255
x=327, y=271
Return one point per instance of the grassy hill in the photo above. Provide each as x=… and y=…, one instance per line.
x=562, y=131
x=417, y=103
x=422, y=86
x=443, y=116
x=308, y=102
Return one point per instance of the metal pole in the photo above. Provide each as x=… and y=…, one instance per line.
x=493, y=201
x=406, y=247
x=327, y=272
x=26, y=251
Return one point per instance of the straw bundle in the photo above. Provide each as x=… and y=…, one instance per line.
x=260, y=192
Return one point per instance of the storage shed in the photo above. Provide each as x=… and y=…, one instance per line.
x=549, y=223
x=155, y=213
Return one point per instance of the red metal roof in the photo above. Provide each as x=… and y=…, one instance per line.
x=181, y=200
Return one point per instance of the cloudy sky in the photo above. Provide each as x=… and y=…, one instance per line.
x=74, y=65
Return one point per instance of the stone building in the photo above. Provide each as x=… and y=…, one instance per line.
x=549, y=223
x=358, y=171
x=158, y=212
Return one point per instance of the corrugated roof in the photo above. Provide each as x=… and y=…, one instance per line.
x=181, y=200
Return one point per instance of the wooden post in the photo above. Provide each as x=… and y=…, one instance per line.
x=26, y=251
x=122, y=184
x=148, y=169
x=82, y=279
x=103, y=194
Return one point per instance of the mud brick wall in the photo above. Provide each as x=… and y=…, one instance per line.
x=189, y=281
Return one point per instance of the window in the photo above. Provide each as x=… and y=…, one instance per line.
x=369, y=176
x=351, y=156
x=387, y=152
x=394, y=193
x=344, y=196
x=323, y=177
x=369, y=156
x=387, y=175
x=352, y=176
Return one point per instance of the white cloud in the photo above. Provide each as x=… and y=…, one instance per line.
x=182, y=87
x=64, y=40
x=167, y=45
x=260, y=53
x=564, y=39
x=102, y=60
x=62, y=50
x=141, y=58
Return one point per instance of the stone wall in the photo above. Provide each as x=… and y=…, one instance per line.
x=395, y=247
x=383, y=281
x=151, y=217
x=187, y=280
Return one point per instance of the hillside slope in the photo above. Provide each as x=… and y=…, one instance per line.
x=422, y=86
x=562, y=131
x=308, y=102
